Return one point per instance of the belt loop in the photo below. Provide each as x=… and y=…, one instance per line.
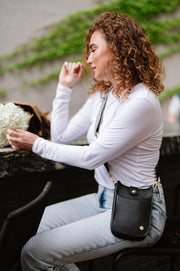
x=156, y=186
x=112, y=178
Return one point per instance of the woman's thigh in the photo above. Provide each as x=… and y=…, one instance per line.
x=68, y=211
x=80, y=240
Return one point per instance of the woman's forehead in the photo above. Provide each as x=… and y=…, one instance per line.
x=97, y=37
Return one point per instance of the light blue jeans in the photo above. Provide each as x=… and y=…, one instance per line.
x=79, y=229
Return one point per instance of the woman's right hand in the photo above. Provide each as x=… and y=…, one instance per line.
x=70, y=74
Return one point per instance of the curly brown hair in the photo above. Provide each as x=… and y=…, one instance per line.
x=134, y=58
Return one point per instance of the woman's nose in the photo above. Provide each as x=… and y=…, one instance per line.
x=89, y=60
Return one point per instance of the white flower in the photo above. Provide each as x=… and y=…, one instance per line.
x=12, y=116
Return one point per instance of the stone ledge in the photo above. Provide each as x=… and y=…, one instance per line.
x=14, y=163
x=24, y=162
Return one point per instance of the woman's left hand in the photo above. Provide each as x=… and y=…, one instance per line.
x=20, y=139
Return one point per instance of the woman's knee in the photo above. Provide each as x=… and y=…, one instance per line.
x=30, y=259
x=27, y=258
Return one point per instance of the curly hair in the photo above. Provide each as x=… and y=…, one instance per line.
x=134, y=58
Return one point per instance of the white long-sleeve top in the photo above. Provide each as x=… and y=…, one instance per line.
x=129, y=136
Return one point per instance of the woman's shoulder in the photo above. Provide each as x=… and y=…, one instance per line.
x=142, y=102
x=140, y=91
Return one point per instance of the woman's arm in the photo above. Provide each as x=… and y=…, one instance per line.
x=130, y=127
x=70, y=74
x=63, y=130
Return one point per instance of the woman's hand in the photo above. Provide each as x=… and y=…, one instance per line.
x=70, y=74
x=20, y=139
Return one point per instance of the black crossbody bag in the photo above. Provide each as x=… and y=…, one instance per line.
x=132, y=206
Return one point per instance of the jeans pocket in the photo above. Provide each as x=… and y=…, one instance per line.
x=105, y=198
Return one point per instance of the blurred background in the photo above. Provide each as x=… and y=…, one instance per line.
x=38, y=36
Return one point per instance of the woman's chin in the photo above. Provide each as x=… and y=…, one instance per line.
x=98, y=78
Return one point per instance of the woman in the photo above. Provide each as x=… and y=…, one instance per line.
x=124, y=66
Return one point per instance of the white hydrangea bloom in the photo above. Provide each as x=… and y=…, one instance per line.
x=12, y=116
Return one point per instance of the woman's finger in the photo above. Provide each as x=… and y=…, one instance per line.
x=70, y=68
x=65, y=65
x=12, y=132
x=12, y=139
x=15, y=147
x=77, y=67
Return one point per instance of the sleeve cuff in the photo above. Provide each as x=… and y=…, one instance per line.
x=63, y=92
x=36, y=144
x=61, y=87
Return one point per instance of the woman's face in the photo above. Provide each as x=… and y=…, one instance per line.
x=99, y=57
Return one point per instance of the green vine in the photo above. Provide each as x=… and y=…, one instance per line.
x=73, y=43
x=171, y=50
x=168, y=93
x=2, y=92
x=44, y=79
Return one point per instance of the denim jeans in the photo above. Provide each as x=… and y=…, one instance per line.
x=79, y=229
